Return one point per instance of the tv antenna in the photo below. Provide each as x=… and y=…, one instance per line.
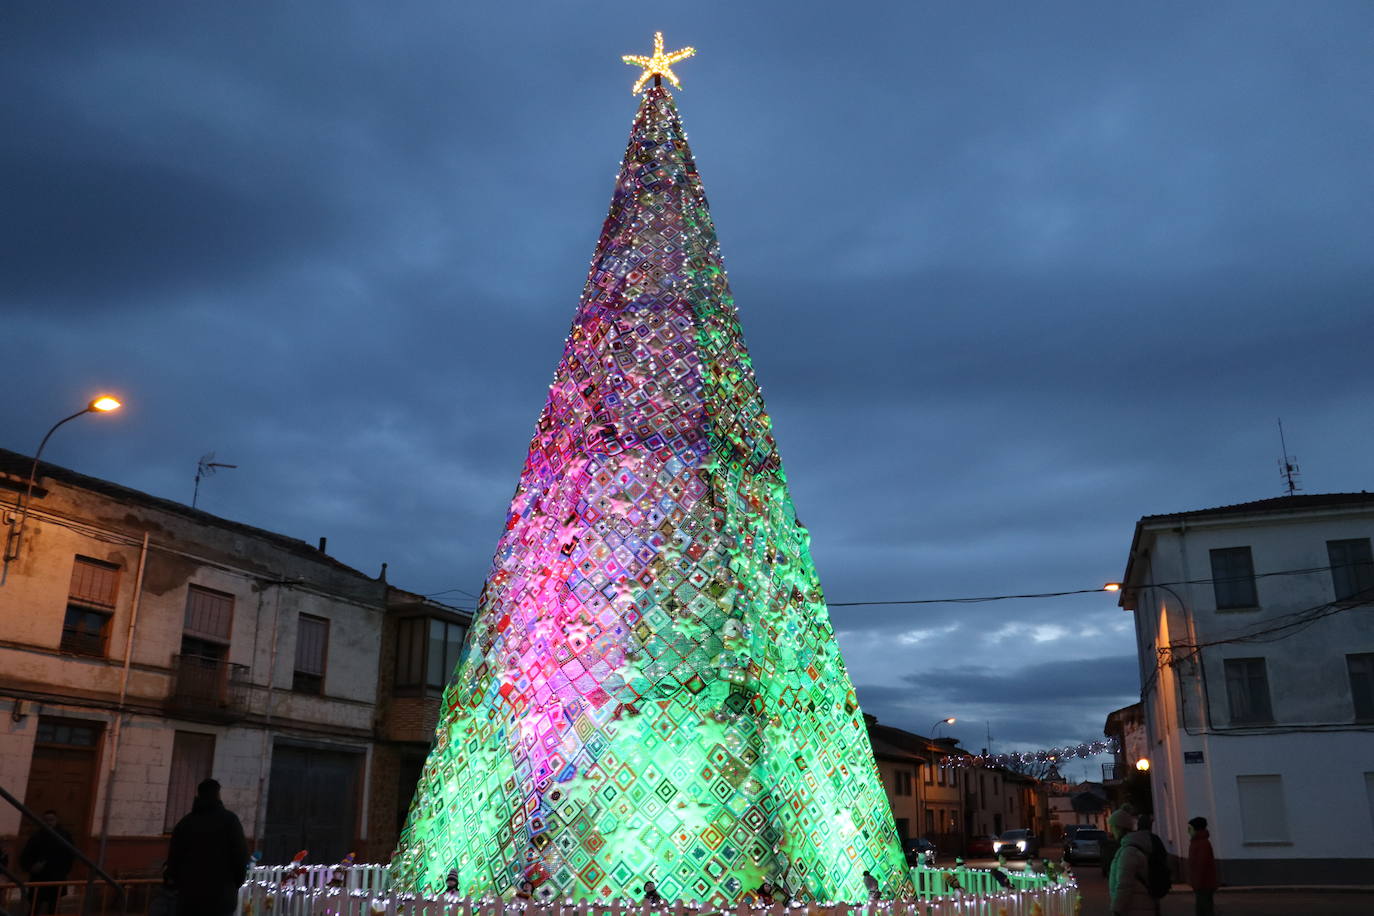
x=1288, y=467
x=206, y=466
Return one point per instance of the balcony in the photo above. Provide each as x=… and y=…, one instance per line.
x=206, y=687
x=1111, y=772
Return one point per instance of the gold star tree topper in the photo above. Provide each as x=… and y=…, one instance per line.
x=659, y=65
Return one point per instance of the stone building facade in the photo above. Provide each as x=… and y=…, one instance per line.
x=145, y=645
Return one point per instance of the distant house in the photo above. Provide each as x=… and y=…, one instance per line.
x=145, y=645
x=1255, y=632
x=927, y=799
x=1075, y=803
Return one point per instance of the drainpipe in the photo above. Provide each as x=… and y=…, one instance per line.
x=119, y=710
x=260, y=816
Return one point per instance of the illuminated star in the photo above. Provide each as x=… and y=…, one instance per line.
x=659, y=65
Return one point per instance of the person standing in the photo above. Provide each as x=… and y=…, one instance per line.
x=47, y=858
x=208, y=859
x=1130, y=875
x=871, y=883
x=1202, y=866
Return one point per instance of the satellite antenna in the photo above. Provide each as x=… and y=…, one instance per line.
x=206, y=466
x=1288, y=467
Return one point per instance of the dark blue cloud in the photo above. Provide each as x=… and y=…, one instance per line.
x=1011, y=279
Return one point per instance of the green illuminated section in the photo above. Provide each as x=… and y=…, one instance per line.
x=652, y=688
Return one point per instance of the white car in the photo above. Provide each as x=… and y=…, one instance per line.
x=1085, y=846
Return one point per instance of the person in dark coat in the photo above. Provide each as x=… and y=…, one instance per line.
x=208, y=858
x=1202, y=866
x=46, y=858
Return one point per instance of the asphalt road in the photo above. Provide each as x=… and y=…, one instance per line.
x=1179, y=902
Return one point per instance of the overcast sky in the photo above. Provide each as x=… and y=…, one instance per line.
x=1012, y=275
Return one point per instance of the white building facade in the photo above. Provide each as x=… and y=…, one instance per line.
x=1255, y=636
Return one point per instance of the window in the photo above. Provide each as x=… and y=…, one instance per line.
x=930, y=822
x=1369, y=794
x=901, y=782
x=930, y=772
x=427, y=651
x=903, y=829
x=1352, y=569
x=90, y=605
x=208, y=623
x=67, y=733
x=1263, y=818
x=1233, y=578
x=193, y=759
x=312, y=646
x=1247, y=691
x=1361, y=668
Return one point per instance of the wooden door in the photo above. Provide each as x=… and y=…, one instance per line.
x=62, y=776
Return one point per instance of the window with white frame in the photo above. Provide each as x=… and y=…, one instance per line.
x=1263, y=814
x=1360, y=667
x=1352, y=569
x=1247, y=691
x=1233, y=578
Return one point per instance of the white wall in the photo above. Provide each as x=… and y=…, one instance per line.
x=1315, y=746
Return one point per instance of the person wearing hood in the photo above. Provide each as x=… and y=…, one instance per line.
x=1129, y=881
x=1202, y=866
x=208, y=858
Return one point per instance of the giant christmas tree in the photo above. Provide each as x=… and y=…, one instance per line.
x=652, y=689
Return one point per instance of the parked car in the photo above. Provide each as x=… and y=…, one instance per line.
x=982, y=847
x=1085, y=845
x=1071, y=829
x=1018, y=844
x=918, y=849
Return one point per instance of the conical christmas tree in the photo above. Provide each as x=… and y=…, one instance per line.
x=652, y=690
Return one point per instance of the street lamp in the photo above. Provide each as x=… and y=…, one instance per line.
x=946, y=721
x=1143, y=764
x=101, y=404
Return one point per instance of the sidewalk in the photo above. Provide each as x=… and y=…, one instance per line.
x=1327, y=900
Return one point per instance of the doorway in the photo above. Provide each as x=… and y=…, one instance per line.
x=62, y=776
x=312, y=803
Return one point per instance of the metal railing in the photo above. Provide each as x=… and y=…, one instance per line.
x=128, y=897
x=263, y=898
x=208, y=684
x=95, y=870
x=364, y=890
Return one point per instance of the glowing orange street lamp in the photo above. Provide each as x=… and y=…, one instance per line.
x=101, y=404
x=1112, y=587
x=1143, y=764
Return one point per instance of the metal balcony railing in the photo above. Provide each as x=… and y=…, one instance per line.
x=208, y=685
x=1110, y=772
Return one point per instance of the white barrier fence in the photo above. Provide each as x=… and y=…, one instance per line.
x=364, y=892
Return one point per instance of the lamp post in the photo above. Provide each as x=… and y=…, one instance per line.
x=14, y=541
x=949, y=720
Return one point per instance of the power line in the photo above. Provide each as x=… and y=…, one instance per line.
x=983, y=599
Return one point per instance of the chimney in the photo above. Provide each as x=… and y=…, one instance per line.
x=324, y=542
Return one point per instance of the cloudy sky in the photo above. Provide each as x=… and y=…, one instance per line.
x=1013, y=275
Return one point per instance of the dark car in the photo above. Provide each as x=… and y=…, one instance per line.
x=917, y=850
x=1018, y=844
x=982, y=847
x=1085, y=845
